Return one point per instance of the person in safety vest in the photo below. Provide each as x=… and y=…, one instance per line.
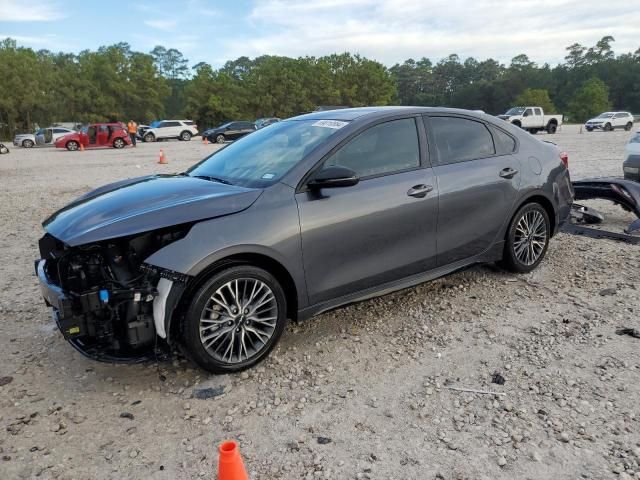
x=132, y=128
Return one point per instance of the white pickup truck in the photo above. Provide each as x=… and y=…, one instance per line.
x=532, y=119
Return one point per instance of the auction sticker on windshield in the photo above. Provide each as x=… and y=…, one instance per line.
x=329, y=124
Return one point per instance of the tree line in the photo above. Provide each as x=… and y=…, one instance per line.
x=116, y=83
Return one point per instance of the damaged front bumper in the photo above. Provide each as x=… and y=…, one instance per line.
x=92, y=323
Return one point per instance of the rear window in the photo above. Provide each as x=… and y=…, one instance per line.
x=460, y=139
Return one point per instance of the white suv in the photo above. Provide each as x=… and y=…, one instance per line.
x=164, y=129
x=608, y=121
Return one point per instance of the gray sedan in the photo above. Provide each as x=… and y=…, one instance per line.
x=312, y=213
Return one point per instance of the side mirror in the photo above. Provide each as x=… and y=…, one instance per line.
x=332, y=177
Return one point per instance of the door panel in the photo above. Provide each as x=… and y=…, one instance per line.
x=476, y=187
x=474, y=201
x=358, y=237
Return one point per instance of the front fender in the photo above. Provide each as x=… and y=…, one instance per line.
x=270, y=228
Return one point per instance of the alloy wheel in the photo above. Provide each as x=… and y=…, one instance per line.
x=530, y=237
x=238, y=320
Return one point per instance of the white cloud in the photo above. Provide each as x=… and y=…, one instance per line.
x=166, y=25
x=393, y=30
x=33, y=11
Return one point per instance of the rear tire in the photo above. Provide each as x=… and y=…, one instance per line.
x=527, y=239
x=118, y=143
x=628, y=127
x=228, y=311
x=552, y=128
x=185, y=136
x=72, y=145
x=27, y=143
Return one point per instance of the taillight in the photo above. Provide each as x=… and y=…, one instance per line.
x=564, y=156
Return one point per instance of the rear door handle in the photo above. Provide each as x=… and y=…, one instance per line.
x=419, y=191
x=508, y=172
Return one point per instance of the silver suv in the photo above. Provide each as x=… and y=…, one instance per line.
x=165, y=129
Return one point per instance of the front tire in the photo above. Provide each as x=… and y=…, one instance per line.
x=220, y=139
x=27, y=143
x=72, y=146
x=527, y=239
x=149, y=137
x=607, y=127
x=234, y=319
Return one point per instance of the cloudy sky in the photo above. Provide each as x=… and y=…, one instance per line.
x=386, y=30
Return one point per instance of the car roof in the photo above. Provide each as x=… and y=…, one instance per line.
x=348, y=114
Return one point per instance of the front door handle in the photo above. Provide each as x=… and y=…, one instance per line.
x=419, y=191
x=508, y=172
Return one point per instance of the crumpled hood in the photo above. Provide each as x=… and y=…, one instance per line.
x=143, y=204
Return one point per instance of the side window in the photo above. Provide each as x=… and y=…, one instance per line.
x=460, y=139
x=163, y=124
x=538, y=111
x=528, y=112
x=59, y=130
x=505, y=144
x=385, y=148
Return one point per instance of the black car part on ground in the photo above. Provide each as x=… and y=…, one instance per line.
x=3, y=149
x=623, y=192
x=102, y=296
x=620, y=191
x=584, y=214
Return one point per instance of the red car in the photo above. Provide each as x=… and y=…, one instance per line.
x=96, y=135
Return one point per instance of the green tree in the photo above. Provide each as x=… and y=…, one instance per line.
x=536, y=97
x=589, y=100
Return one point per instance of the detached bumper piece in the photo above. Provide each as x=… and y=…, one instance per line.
x=110, y=325
x=623, y=192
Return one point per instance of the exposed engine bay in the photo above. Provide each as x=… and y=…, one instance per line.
x=103, y=294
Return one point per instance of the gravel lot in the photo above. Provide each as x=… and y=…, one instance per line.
x=361, y=392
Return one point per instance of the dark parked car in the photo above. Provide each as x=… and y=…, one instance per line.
x=307, y=215
x=229, y=131
x=265, y=122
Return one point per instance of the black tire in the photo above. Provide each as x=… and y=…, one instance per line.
x=533, y=131
x=607, y=127
x=510, y=260
x=185, y=136
x=628, y=127
x=589, y=129
x=119, y=143
x=517, y=124
x=149, y=137
x=220, y=138
x=3, y=149
x=552, y=128
x=191, y=334
x=72, y=145
x=27, y=143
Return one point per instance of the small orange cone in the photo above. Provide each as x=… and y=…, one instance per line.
x=162, y=159
x=81, y=148
x=206, y=141
x=230, y=465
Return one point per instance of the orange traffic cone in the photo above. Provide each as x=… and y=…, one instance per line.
x=230, y=465
x=206, y=141
x=81, y=148
x=162, y=158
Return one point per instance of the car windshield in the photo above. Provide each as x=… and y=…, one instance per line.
x=605, y=115
x=155, y=123
x=515, y=111
x=263, y=157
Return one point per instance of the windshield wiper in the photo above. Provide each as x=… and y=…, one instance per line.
x=213, y=179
